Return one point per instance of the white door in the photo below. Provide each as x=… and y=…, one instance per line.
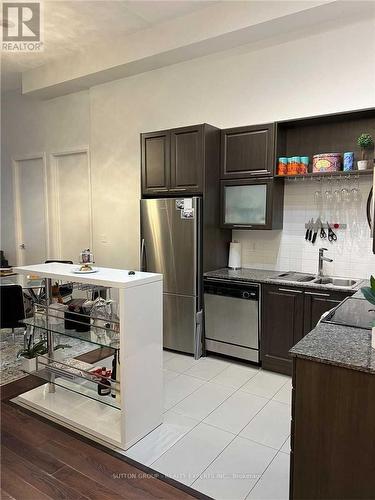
x=30, y=184
x=72, y=202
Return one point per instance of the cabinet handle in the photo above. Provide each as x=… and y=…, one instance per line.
x=178, y=189
x=257, y=172
x=317, y=293
x=242, y=225
x=289, y=290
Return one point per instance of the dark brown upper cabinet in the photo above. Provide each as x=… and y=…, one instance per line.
x=187, y=159
x=252, y=204
x=180, y=161
x=155, y=154
x=185, y=162
x=247, y=151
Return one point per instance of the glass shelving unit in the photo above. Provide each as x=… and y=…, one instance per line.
x=70, y=395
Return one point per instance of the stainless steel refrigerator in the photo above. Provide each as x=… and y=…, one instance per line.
x=171, y=245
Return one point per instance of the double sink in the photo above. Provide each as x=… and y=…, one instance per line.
x=294, y=277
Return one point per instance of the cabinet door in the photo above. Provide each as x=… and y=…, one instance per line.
x=282, y=325
x=317, y=302
x=251, y=204
x=247, y=151
x=155, y=152
x=187, y=159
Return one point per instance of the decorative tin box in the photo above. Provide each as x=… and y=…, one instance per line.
x=327, y=162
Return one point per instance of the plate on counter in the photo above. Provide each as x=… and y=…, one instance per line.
x=77, y=270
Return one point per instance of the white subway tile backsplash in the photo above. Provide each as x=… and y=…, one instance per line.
x=287, y=249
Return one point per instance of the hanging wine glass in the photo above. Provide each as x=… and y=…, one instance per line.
x=328, y=193
x=345, y=191
x=318, y=197
x=337, y=193
x=356, y=193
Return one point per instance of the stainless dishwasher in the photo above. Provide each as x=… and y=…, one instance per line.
x=231, y=310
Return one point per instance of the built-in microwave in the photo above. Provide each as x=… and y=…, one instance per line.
x=252, y=203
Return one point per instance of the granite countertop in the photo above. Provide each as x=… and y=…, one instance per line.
x=270, y=277
x=255, y=275
x=338, y=345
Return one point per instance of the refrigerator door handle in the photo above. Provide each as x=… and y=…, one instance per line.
x=143, y=255
x=198, y=335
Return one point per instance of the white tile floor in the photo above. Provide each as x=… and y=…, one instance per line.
x=225, y=431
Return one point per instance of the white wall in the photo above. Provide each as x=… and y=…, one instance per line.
x=217, y=26
x=31, y=127
x=313, y=74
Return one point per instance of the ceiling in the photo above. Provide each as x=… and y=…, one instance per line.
x=76, y=25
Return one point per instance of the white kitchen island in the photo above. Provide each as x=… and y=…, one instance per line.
x=117, y=422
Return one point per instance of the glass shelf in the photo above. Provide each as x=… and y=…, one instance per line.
x=74, y=382
x=103, y=338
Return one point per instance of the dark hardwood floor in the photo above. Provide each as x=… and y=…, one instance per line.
x=41, y=460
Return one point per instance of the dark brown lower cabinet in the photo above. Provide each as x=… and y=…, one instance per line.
x=282, y=324
x=317, y=302
x=288, y=314
x=333, y=433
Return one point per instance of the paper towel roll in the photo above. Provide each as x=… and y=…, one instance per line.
x=234, y=261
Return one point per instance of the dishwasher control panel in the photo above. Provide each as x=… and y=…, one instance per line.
x=232, y=289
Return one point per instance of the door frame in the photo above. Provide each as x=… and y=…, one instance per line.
x=17, y=202
x=54, y=156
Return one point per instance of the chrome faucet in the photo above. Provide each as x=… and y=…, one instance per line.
x=321, y=260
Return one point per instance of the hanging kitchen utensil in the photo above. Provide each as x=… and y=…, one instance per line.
x=311, y=226
x=308, y=228
x=316, y=226
x=323, y=234
x=311, y=230
x=331, y=234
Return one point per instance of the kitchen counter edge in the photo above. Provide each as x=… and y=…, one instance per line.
x=344, y=346
x=269, y=277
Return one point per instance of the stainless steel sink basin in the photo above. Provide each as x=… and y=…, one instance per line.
x=327, y=280
x=306, y=279
x=296, y=277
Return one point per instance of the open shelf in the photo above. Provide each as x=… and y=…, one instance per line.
x=75, y=380
x=335, y=133
x=103, y=339
x=99, y=422
x=340, y=173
